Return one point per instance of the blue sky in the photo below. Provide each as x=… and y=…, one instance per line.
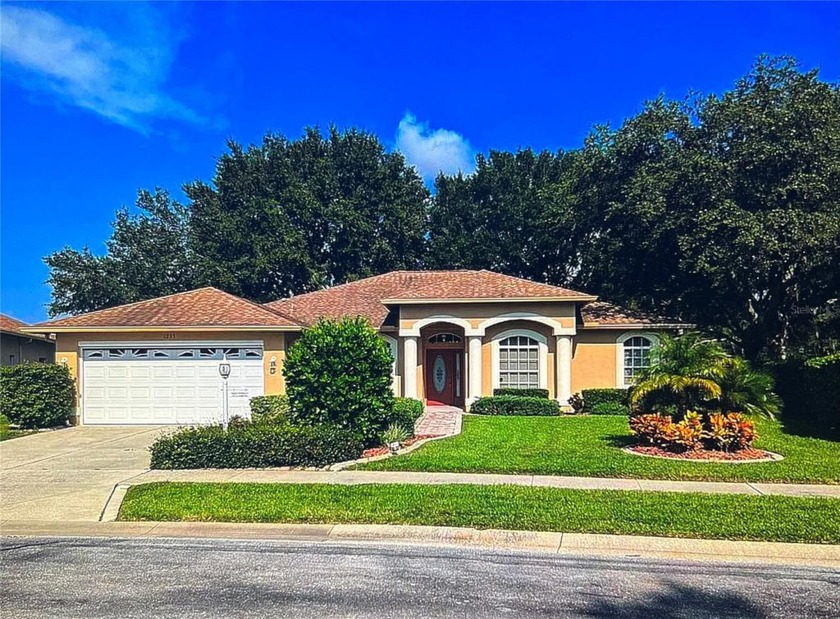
x=101, y=99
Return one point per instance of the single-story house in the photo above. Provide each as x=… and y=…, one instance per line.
x=454, y=335
x=19, y=347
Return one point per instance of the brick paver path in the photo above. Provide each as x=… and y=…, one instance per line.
x=439, y=421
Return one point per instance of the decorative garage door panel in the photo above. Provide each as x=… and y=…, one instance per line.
x=165, y=390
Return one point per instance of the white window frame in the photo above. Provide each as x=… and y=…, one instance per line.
x=542, y=356
x=619, y=354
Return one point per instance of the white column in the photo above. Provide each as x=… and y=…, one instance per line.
x=410, y=367
x=563, y=367
x=474, y=371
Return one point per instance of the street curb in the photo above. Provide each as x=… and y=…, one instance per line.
x=114, y=502
x=817, y=555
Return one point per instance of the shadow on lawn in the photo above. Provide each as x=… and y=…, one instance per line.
x=620, y=440
x=809, y=428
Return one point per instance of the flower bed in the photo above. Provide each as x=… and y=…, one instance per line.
x=749, y=454
x=384, y=449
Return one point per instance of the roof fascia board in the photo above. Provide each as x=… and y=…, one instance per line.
x=123, y=329
x=488, y=300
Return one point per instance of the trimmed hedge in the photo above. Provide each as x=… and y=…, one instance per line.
x=271, y=409
x=810, y=391
x=522, y=393
x=406, y=413
x=515, y=405
x=37, y=395
x=605, y=401
x=609, y=408
x=254, y=446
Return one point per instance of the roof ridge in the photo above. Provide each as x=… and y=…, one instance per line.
x=336, y=287
x=260, y=306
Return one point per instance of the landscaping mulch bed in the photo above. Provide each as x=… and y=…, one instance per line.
x=383, y=449
x=742, y=455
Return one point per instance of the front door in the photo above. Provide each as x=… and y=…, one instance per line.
x=443, y=377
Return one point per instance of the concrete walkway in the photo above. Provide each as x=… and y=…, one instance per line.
x=267, y=476
x=439, y=421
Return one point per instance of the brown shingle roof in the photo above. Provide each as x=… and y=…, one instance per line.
x=205, y=307
x=14, y=326
x=366, y=297
x=600, y=314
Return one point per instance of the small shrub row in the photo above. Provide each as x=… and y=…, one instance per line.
x=248, y=445
x=515, y=405
x=522, y=393
x=36, y=395
x=729, y=432
x=406, y=413
x=270, y=409
x=605, y=401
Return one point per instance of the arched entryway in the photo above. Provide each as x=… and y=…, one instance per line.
x=444, y=367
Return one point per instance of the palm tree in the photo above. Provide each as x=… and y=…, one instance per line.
x=684, y=370
x=746, y=390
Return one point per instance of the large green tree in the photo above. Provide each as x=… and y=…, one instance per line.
x=288, y=216
x=496, y=219
x=147, y=256
x=723, y=209
x=279, y=218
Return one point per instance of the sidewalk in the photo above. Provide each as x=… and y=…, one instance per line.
x=268, y=476
x=529, y=541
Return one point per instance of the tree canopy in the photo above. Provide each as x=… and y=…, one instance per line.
x=721, y=209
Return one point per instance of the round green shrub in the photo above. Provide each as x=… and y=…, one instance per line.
x=405, y=414
x=37, y=395
x=515, y=405
x=339, y=372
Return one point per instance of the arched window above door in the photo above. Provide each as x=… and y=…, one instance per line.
x=445, y=338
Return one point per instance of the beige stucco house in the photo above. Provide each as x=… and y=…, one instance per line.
x=454, y=336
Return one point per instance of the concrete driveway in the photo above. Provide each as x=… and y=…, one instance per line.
x=68, y=474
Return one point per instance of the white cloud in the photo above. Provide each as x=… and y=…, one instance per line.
x=118, y=75
x=435, y=151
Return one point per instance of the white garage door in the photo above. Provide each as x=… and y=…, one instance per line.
x=168, y=384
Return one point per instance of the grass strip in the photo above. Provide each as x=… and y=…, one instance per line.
x=668, y=514
x=590, y=446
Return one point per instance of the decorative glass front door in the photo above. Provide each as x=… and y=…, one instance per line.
x=439, y=373
x=442, y=375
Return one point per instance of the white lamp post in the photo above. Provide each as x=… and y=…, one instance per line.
x=224, y=371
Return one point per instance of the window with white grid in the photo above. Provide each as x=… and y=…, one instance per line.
x=519, y=362
x=636, y=357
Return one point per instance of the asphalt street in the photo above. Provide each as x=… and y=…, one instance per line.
x=90, y=578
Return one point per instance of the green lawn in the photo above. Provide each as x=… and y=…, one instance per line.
x=590, y=447
x=769, y=518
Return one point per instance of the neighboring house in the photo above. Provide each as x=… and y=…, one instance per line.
x=19, y=347
x=454, y=336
